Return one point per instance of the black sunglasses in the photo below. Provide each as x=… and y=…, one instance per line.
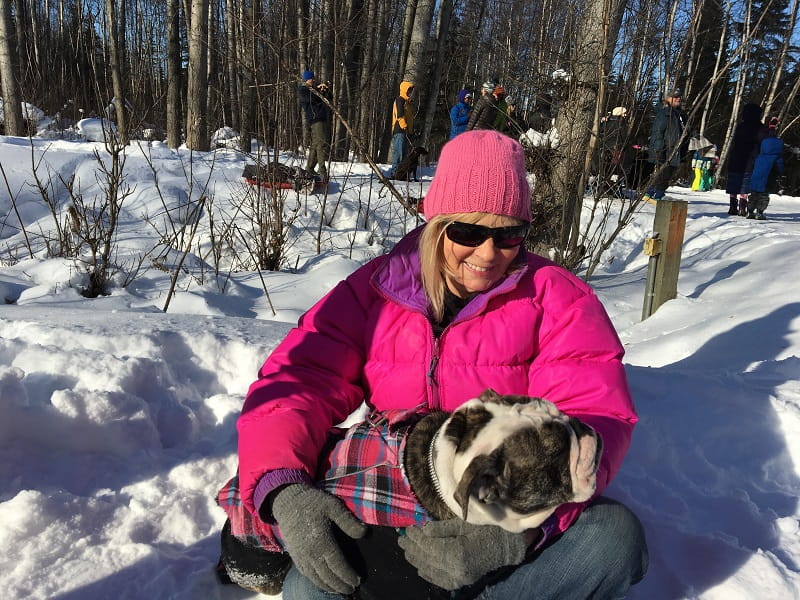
x=472, y=236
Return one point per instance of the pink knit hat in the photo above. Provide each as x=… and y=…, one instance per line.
x=480, y=171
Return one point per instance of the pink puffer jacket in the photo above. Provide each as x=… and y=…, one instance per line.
x=540, y=332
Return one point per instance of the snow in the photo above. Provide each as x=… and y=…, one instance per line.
x=118, y=420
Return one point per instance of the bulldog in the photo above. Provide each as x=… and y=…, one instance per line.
x=501, y=460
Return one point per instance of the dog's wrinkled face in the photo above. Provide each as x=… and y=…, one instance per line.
x=511, y=460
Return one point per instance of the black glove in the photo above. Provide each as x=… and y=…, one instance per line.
x=452, y=554
x=306, y=517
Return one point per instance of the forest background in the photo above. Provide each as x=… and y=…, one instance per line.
x=189, y=67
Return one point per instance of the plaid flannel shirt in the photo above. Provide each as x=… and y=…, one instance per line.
x=364, y=470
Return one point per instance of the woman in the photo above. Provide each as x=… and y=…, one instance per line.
x=456, y=307
x=741, y=156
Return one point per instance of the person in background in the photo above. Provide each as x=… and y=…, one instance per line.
x=402, y=125
x=741, y=156
x=509, y=121
x=485, y=110
x=767, y=169
x=613, y=142
x=666, y=146
x=400, y=333
x=609, y=168
x=459, y=113
x=501, y=119
x=543, y=112
x=318, y=117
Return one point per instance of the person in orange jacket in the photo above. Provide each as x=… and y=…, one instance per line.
x=402, y=125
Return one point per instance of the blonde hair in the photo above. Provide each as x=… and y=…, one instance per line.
x=433, y=266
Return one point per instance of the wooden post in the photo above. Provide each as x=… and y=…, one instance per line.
x=669, y=226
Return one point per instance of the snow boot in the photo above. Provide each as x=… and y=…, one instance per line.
x=742, y=206
x=751, y=215
x=760, y=215
x=733, y=210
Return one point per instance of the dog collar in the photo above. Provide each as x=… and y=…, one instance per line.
x=437, y=487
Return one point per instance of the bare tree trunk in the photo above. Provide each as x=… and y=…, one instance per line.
x=302, y=35
x=442, y=31
x=417, y=66
x=741, y=80
x=232, y=26
x=327, y=39
x=667, y=49
x=383, y=129
x=173, y=74
x=120, y=104
x=720, y=51
x=196, y=118
x=790, y=99
x=596, y=39
x=408, y=28
x=780, y=65
x=12, y=109
x=212, y=61
x=246, y=53
x=365, y=85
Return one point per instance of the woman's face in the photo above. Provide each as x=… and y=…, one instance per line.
x=477, y=269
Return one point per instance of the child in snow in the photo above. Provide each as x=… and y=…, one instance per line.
x=767, y=168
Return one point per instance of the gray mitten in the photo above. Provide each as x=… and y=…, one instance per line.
x=307, y=517
x=452, y=554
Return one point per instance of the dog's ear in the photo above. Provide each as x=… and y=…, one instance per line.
x=479, y=480
x=466, y=424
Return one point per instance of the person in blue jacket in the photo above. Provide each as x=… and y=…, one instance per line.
x=767, y=169
x=459, y=114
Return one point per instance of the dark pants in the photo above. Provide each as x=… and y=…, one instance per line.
x=661, y=181
x=600, y=556
x=318, y=153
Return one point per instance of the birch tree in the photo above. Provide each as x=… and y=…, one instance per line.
x=174, y=83
x=196, y=117
x=116, y=59
x=12, y=109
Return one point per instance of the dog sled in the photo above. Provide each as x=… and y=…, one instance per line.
x=283, y=177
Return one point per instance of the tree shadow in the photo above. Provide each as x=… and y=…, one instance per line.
x=710, y=472
x=724, y=273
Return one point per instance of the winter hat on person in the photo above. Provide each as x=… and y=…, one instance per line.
x=463, y=95
x=676, y=93
x=480, y=171
x=307, y=74
x=619, y=111
x=488, y=86
x=499, y=91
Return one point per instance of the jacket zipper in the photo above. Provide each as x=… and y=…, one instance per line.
x=433, y=383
